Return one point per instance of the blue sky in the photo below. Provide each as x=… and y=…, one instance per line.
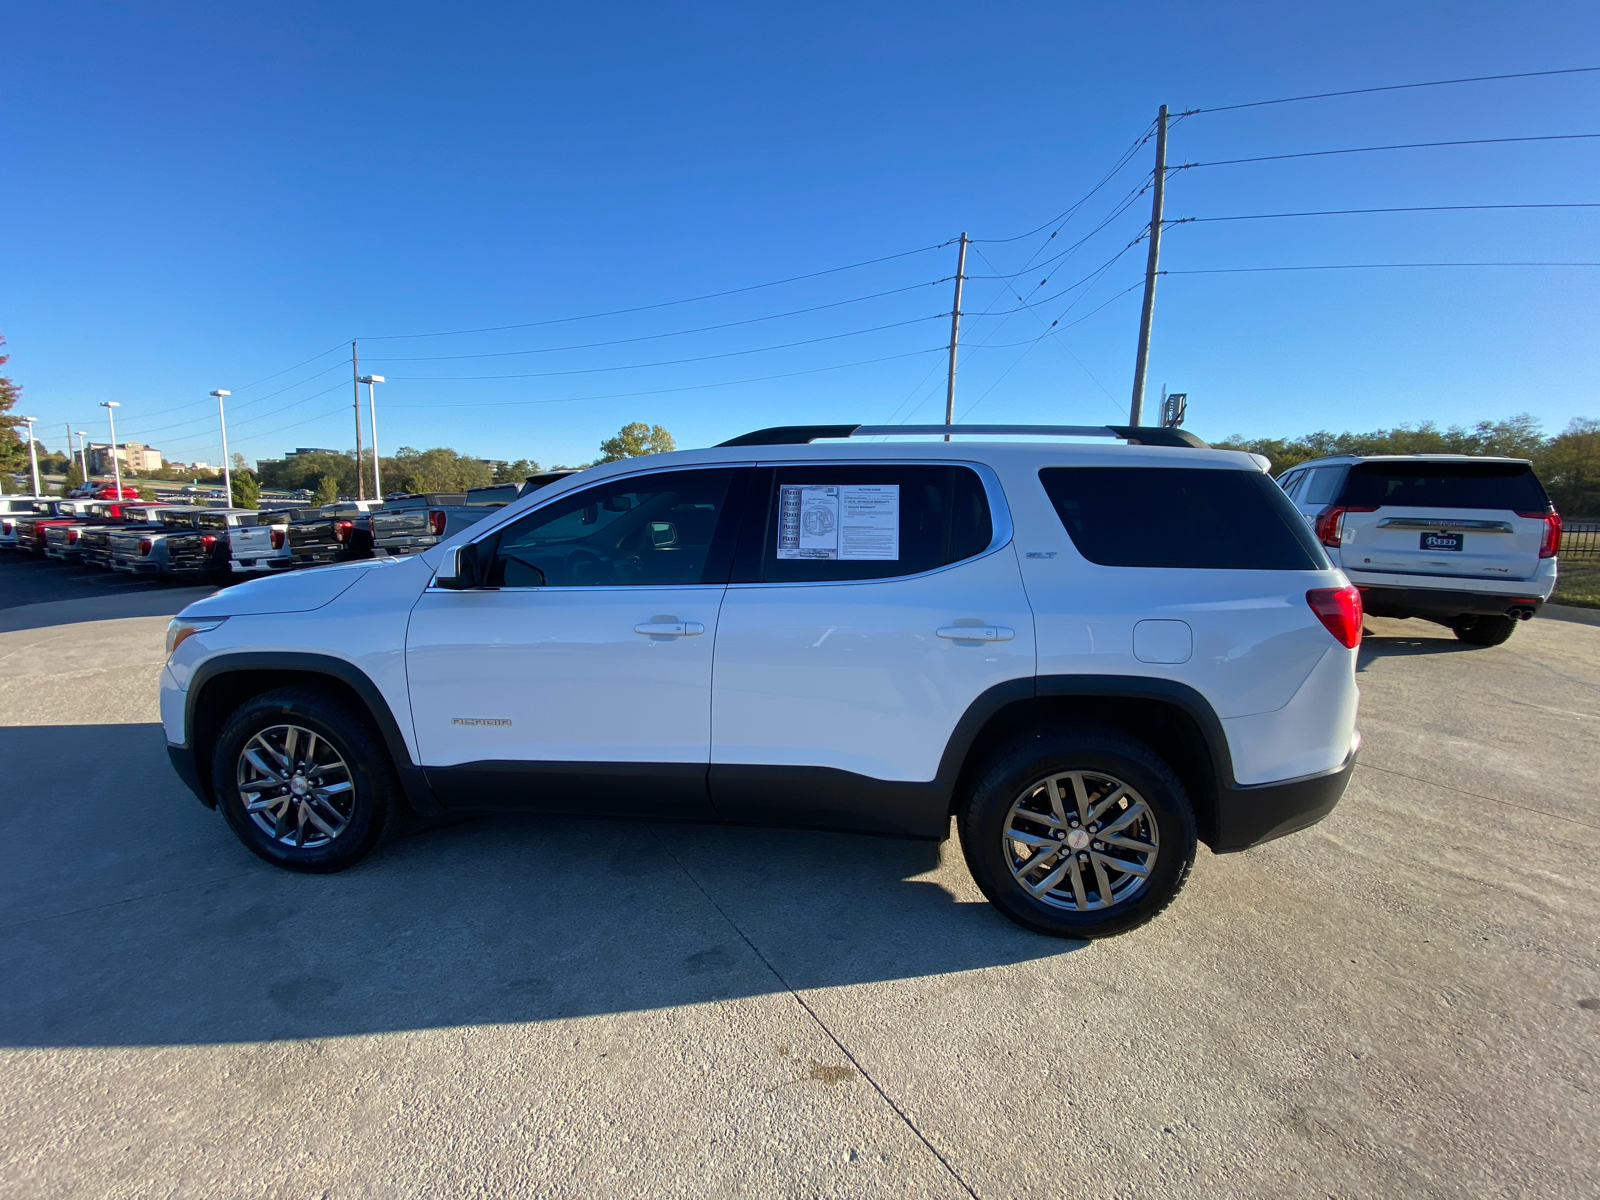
x=201, y=196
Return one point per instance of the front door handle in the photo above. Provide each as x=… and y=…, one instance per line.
x=670, y=628
x=977, y=633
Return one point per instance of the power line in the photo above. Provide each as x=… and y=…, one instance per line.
x=1372, y=267
x=194, y=438
x=1393, y=87
x=1345, y=212
x=695, y=387
x=389, y=337
x=657, y=336
x=1062, y=218
x=1229, y=162
x=673, y=362
x=146, y=432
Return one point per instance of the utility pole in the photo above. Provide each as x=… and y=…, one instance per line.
x=71, y=454
x=33, y=455
x=1136, y=410
x=355, y=384
x=227, y=467
x=955, y=336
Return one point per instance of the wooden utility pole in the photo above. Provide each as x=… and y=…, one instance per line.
x=355, y=386
x=955, y=336
x=1136, y=409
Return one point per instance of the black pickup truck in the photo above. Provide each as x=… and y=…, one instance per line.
x=337, y=532
x=204, y=551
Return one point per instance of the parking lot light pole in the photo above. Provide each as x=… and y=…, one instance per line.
x=222, y=418
x=83, y=452
x=372, y=407
x=116, y=463
x=33, y=454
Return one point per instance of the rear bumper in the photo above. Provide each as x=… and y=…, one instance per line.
x=1251, y=814
x=1439, y=604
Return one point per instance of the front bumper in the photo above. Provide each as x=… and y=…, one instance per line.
x=1250, y=814
x=1440, y=604
x=183, y=763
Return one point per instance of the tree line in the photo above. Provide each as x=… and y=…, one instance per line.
x=439, y=469
x=1567, y=463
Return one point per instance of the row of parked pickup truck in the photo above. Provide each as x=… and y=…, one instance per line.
x=188, y=541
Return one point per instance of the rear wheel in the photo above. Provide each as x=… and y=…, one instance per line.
x=1484, y=631
x=305, y=781
x=1078, y=835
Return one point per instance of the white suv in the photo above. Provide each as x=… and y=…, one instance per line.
x=1089, y=655
x=1468, y=542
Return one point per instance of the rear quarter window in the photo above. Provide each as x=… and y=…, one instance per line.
x=1507, y=486
x=1190, y=517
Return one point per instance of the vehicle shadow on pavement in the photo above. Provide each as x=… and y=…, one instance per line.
x=1375, y=647
x=130, y=915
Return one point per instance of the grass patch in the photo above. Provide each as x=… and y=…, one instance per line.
x=1578, y=582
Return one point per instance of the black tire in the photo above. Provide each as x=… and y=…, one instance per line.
x=1485, y=631
x=1014, y=775
x=370, y=808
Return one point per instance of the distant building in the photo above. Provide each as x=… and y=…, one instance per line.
x=299, y=450
x=136, y=457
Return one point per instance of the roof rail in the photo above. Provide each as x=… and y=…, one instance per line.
x=1134, y=435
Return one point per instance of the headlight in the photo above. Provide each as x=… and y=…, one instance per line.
x=180, y=630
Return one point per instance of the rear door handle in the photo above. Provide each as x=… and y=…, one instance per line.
x=670, y=628
x=977, y=633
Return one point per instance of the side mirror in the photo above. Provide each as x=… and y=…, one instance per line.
x=663, y=534
x=459, y=571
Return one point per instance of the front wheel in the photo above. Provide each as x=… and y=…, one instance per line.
x=304, y=780
x=1484, y=631
x=1078, y=835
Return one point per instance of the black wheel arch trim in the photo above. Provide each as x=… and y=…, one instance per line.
x=187, y=758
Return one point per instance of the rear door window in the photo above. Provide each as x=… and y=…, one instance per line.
x=1190, y=517
x=1506, y=486
x=863, y=521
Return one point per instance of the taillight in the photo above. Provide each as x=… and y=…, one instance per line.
x=1330, y=522
x=144, y=546
x=208, y=542
x=277, y=536
x=72, y=536
x=5, y=528
x=1340, y=610
x=1550, y=543
x=436, y=522
x=342, y=530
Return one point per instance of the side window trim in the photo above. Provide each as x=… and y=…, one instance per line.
x=758, y=506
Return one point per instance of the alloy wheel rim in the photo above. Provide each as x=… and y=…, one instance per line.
x=1082, y=841
x=295, y=786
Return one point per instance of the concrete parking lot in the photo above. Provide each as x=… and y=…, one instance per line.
x=1404, y=1000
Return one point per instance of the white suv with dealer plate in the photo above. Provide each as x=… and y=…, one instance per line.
x=1468, y=542
x=1088, y=655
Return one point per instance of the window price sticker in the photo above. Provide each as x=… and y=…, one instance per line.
x=839, y=521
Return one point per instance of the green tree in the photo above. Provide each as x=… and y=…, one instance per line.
x=516, y=472
x=436, y=470
x=13, y=449
x=246, y=491
x=327, y=491
x=74, y=475
x=1569, y=466
x=635, y=440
